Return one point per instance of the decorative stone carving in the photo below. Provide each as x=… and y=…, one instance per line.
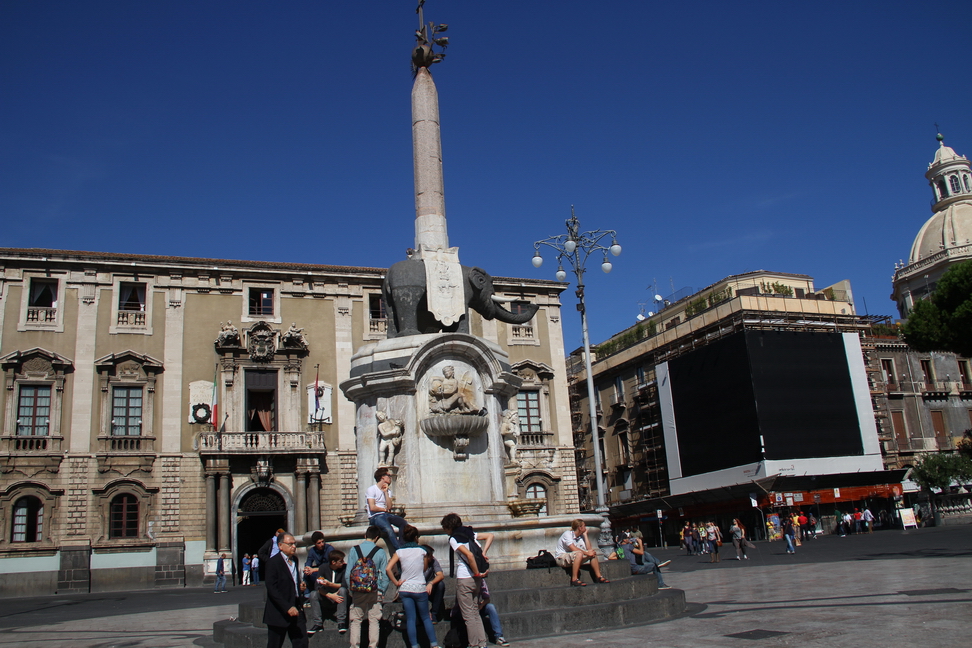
x=229, y=336
x=510, y=431
x=294, y=338
x=390, y=438
x=525, y=507
x=454, y=411
x=261, y=342
x=37, y=367
x=450, y=395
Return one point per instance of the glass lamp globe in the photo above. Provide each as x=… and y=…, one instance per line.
x=561, y=275
x=570, y=245
x=537, y=261
x=615, y=249
x=606, y=266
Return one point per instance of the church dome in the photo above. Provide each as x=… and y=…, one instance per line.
x=948, y=228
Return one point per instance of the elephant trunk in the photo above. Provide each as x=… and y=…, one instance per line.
x=503, y=315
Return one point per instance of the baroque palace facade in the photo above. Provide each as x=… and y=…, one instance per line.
x=159, y=411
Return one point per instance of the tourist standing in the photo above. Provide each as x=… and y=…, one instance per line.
x=283, y=613
x=367, y=604
x=789, y=532
x=255, y=569
x=246, y=569
x=713, y=536
x=739, y=542
x=469, y=581
x=412, y=587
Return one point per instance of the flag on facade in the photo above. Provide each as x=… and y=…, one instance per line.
x=317, y=394
x=214, y=414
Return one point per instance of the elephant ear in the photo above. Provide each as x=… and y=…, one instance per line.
x=478, y=278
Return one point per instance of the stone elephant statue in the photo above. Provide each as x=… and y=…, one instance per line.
x=407, y=312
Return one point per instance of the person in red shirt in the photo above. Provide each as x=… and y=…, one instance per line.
x=804, y=531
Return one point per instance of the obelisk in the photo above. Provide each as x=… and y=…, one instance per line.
x=430, y=216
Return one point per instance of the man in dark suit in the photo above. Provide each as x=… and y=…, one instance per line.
x=284, y=612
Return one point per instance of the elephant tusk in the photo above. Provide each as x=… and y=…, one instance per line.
x=502, y=300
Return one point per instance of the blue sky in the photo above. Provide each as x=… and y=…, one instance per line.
x=715, y=137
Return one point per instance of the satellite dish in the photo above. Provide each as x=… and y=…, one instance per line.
x=658, y=297
x=640, y=317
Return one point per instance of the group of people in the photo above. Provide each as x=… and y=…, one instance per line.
x=856, y=522
x=352, y=587
x=706, y=539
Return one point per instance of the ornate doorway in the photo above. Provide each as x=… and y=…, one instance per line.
x=262, y=511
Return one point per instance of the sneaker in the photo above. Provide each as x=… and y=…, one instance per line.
x=662, y=564
x=664, y=587
x=342, y=628
x=500, y=641
x=314, y=630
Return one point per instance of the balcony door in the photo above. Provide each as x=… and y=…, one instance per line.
x=261, y=400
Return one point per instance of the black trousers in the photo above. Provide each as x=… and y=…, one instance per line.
x=297, y=630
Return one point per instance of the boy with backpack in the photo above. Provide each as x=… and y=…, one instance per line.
x=367, y=581
x=472, y=567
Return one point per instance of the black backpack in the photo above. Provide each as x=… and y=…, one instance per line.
x=465, y=535
x=543, y=560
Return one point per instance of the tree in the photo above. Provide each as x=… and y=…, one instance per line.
x=937, y=471
x=943, y=322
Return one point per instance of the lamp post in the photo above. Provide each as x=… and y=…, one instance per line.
x=575, y=247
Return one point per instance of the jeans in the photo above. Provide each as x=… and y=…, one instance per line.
x=435, y=600
x=650, y=567
x=789, y=543
x=255, y=576
x=384, y=521
x=322, y=606
x=489, y=613
x=220, y=583
x=417, y=604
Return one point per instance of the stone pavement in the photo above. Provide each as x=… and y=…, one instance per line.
x=886, y=589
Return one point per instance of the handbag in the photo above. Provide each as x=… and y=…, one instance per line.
x=718, y=543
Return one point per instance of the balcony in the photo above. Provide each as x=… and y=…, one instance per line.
x=41, y=315
x=22, y=444
x=935, y=390
x=125, y=444
x=536, y=439
x=261, y=442
x=377, y=326
x=131, y=318
x=523, y=332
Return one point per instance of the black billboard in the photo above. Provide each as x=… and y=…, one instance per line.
x=793, y=389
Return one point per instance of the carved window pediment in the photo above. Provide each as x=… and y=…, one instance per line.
x=533, y=371
x=36, y=364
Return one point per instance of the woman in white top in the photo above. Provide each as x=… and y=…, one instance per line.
x=412, y=588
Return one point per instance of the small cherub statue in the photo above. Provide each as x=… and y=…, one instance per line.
x=510, y=429
x=389, y=438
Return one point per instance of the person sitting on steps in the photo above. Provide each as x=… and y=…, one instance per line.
x=572, y=552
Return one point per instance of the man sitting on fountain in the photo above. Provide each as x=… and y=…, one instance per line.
x=572, y=552
x=379, y=509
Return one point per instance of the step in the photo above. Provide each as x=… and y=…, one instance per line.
x=532, y=603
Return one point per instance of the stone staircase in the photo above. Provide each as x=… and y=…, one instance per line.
x=532, y=603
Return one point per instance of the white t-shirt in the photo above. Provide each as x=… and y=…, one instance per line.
x=378, y=495
x=567, y=539
x=462, y=569
x=412, y=560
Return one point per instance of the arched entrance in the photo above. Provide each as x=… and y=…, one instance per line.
x=261, y=512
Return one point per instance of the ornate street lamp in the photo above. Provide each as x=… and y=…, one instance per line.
x=575, y=247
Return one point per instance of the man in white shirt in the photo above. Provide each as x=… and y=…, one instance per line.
x=572, y=551
x=379, y=507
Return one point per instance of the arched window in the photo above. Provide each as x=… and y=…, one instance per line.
x=954, y=183
x=28, y=520
x=537, y=491
x=124, y=516
x=942, y=190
